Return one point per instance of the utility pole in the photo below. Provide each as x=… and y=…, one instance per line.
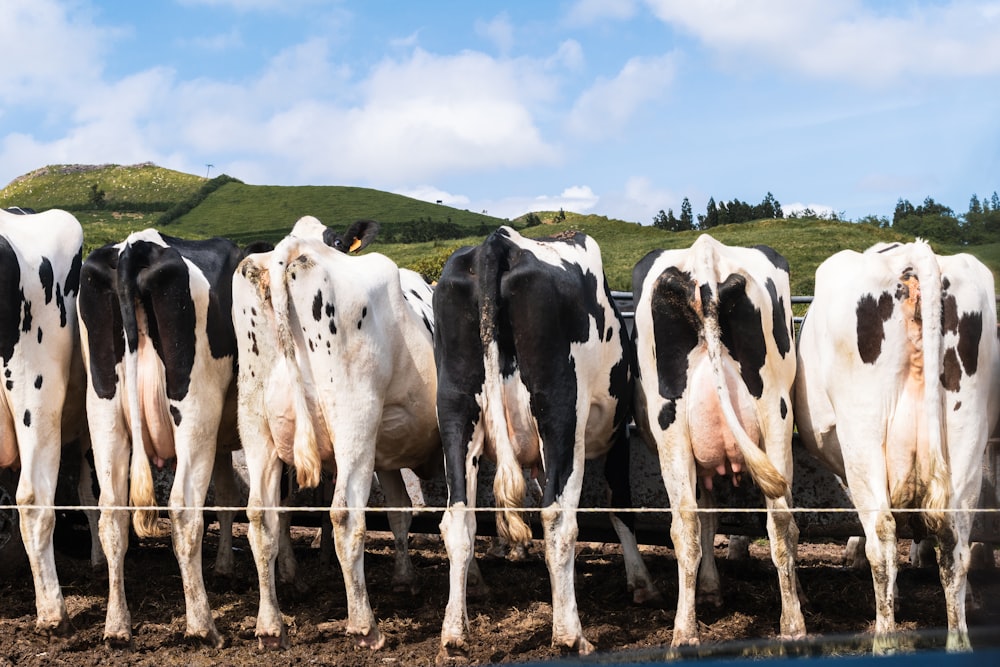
x=208, y=168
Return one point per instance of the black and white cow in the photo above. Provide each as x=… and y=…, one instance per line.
x=713, y=343
x=336, y=371
x=41, y=403
x=897, y=392
x=534, y=371
x=160, y=353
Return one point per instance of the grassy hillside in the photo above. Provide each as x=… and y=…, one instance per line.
x=260, y=212
x=68, y=186
x=267, y=212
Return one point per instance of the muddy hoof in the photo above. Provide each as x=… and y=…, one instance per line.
x=272, y=642
x=452, y=653
x=119, y=642
x=578, y=645
x=58, y=629
x=373, y=639
x=646, y=595
x=211, y=639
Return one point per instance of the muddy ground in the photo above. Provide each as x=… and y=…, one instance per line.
x=510, y=624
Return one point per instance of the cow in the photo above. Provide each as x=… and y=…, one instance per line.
x=896, y=392
x=534, y=371
x=713, y=339
x=336, y=372
x=41, y=403
x=160, y=353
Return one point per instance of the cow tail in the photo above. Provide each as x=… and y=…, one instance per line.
x=141, y=491
x=928, y=273
x=305, y=451
x=508, y=483
x=771, y=482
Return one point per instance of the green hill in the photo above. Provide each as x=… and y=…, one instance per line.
x=142, y=187
x=246, y=213
x=415, y=233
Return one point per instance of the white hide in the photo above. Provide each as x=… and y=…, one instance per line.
x=45, y=351
x=713, y=416
x=356, y=382
x=888, y=427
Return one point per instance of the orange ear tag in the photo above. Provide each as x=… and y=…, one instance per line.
x=355, y=245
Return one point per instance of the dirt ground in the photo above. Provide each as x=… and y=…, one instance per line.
x=512, y=623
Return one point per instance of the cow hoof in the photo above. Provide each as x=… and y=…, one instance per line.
x=579, y=644
x=212, y=638
x=60, y=628
x=120, y=642
x=272, y=642
x=646, y=594
x=583, y=647
x=685, y=641
x=373, y=639
x=454, y=651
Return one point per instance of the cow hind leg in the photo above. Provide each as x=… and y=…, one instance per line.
x=187, y=522
x=37, y=487
x=350, y=496
x=226, y=495
x=559, y=524
x=458, y=531
x=783, y=534
x=88, y=492
x=880, y=548
x=640, y=582
x=709, y=583
x=616, y=472
x=954, y=569
x=403, y=578
x=267, y=530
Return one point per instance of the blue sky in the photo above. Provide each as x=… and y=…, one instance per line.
x=620, y=108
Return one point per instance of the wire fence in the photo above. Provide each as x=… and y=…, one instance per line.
x=423, y=509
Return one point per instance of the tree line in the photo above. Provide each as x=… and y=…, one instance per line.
x=723, y=213
x=937, y=222
x=930, y=220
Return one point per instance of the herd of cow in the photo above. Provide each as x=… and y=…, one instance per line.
x=314, y=358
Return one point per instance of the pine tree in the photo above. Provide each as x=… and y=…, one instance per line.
x=687, y=217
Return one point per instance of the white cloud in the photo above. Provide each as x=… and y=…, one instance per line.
x=568, y=55
x=498, y=30
x=407, y=42
x=847, y=40
x=797, y=208
x=639, y=201
x=575, y=198
x=607, y=106
x=51, y=54
x=435, y=196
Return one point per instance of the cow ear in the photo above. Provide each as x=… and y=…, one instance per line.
x=360, y=234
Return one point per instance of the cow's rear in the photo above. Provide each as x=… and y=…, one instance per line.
x=897, y=392
x=713, y=344
x=336, y=372
x=39, y=280
x=534, y=372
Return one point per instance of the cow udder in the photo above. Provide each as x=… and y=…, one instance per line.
x=280, y=415
x=712, y=441
x=157, y=425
